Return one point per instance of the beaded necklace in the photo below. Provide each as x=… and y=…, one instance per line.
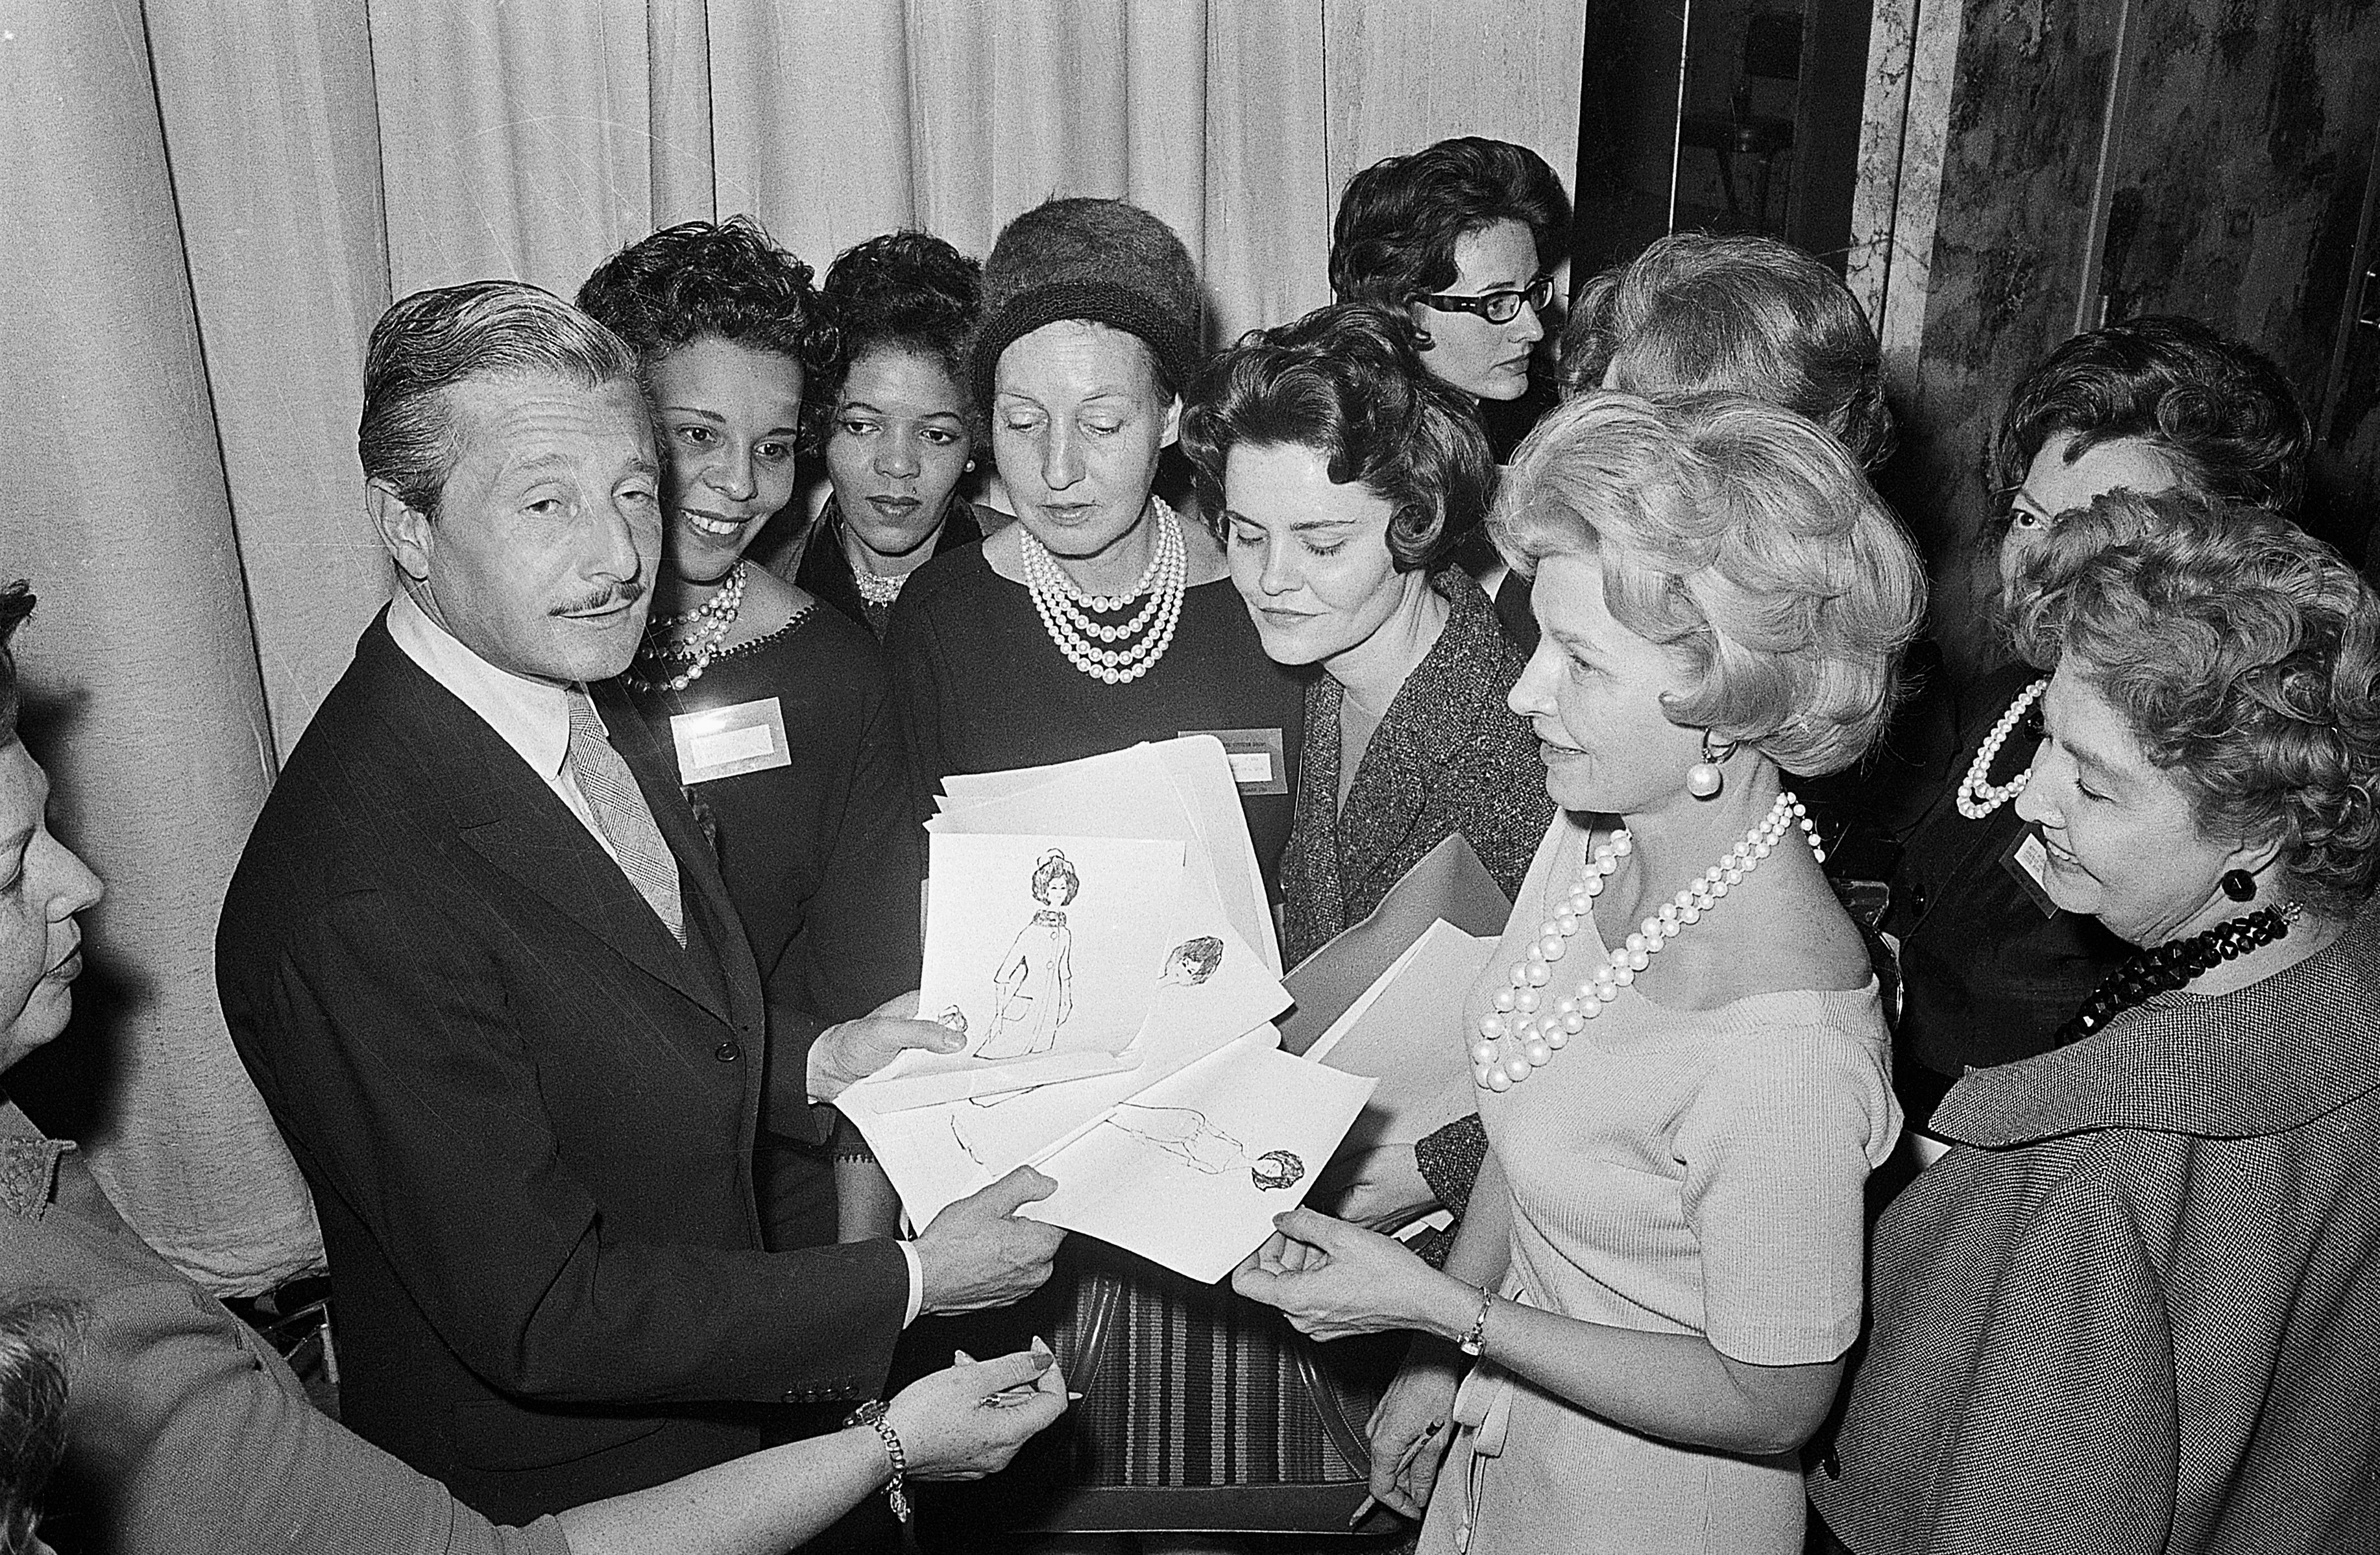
x=1066, y=611
x=1521, y=1033
x=1976, y=796
x=2174, y=965
x=711, y=620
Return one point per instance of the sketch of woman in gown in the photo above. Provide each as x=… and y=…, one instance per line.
x=1036, y=979
x=1185, y=1134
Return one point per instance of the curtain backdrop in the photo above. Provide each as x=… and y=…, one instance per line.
x=209, y=201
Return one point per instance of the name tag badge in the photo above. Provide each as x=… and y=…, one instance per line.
x=728, y=742
x=1258, y=762
x=2027, y=863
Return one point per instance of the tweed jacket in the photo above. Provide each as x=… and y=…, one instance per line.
x=185, y=1430
x=527, y=1115
x=1448, y=755
x=2137, y=1306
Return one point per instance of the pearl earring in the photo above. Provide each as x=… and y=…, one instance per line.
x=2238, y=885
x=1703, y=779
x=970, y=468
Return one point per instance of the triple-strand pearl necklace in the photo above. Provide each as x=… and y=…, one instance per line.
x=1066, y=611
x=1976, y=796
x=1523, y=1031
x=711, y=621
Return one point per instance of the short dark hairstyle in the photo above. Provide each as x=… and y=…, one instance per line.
x=1345, y=382
x=2214, y=407
x=711, y=281
x=36, y=1331
x=16, y=604
x=1745, y=315
x=1401, y=218
x=908, y=291
x=2245, y=656
x=433, y=340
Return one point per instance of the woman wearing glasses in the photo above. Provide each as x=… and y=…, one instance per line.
x=1464, y=237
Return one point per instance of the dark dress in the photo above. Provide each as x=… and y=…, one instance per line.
x=1989, y=971
x=982, y=689
x=822, y=855
x=826, y=565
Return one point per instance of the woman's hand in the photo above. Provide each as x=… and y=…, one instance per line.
x=968, y=1420
x=1334, y=1280
x=1380, y=1188
x=1411, y=1431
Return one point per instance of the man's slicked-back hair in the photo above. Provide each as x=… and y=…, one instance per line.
x=16, y=604
x=433, y=340
x=1399, y=219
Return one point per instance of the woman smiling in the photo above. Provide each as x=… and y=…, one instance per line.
x=779, y=711
x=2137, y=1305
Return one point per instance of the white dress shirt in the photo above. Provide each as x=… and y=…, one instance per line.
x=533, y=717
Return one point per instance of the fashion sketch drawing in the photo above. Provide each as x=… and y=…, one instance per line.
x=1035, y=977
x=1185, y=1134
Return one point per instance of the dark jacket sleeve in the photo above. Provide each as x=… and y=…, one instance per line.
x=406, y=1087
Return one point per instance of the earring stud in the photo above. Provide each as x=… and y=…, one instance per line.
x=2238, y=885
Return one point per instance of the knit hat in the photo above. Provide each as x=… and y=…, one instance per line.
x=1103, y=260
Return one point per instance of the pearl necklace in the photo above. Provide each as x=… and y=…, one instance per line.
x=1065, y=609
x=878, y=590
x=1521, y=1033
x=713, y=619
x=1976, y=796
x=2176, y=964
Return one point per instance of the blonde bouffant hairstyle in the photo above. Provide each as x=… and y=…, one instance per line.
x=1745, y=538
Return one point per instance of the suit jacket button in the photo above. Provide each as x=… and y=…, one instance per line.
x=728, y=1052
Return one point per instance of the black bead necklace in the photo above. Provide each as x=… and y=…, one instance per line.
x=2162, y=968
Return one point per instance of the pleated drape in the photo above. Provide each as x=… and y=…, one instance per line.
x=207, y=202
x=140, y=665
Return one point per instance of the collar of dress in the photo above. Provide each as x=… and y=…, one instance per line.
x=2260, y=1060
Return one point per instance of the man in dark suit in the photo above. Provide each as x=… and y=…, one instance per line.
x=482, y=965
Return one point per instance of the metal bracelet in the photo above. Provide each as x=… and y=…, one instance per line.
x=1476, y=1340
x=871, y=1414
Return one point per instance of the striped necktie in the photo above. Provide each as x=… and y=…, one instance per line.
x=627, y=822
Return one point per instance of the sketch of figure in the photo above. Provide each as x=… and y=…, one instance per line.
x=1192, y=962
x=1184, y=1134
x=1035, y=977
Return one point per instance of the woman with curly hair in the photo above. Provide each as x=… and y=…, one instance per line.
x=1462, y=238
x=1990, y=964
x=779, y=711
x=1679, y=1047
x=899, y=437
x=2137, y=1305
x=1702, y=313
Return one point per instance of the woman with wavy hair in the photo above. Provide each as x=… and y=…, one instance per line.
x=899, y=436
x=2137, y=1305
x=1462, y=238
x=1679, y=1047
x=1990, y=963
x=780, y=712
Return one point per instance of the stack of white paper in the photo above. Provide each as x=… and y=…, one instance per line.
x=1099, y=931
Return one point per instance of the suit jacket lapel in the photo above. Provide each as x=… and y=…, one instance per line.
x=502, y=811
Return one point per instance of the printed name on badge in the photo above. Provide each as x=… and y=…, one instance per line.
x=728, y=742
x=2027, y=863
x=1258, y=763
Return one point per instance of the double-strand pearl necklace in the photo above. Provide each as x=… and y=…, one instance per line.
x=711, y=621
x=1523, y=1032
x=1977, y=797
x=1066, y=611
